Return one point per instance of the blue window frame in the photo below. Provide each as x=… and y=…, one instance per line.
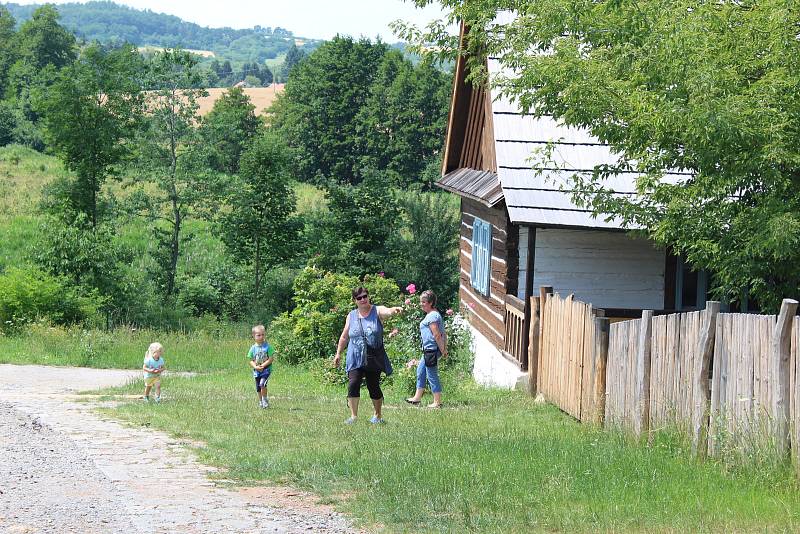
x=481, y=256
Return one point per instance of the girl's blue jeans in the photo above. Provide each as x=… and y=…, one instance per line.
x=432, y=374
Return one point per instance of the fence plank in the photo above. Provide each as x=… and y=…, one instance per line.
x=703, y=356
x=781, y=345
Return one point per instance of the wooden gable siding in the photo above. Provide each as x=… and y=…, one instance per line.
x=470, y=136
x=487, y=314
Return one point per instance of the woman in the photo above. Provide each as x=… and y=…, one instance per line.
x=431, y=329
x=363, y=328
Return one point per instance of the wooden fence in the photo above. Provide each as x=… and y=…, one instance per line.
x=569, y=365
x=741, y=388
x=721, y=378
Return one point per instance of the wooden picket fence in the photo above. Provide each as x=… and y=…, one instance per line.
x=623, y=359
x=723, y=379
x=741, y=392
x=569, y=366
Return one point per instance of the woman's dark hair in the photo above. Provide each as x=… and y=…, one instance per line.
x=428, y=296
x=360, y=290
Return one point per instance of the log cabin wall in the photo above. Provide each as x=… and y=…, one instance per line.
x=487, y=314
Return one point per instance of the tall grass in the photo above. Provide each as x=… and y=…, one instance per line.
x=219, y=346
x=491, y=461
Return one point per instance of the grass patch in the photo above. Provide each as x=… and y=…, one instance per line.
x=221, y=347
x=492, y=461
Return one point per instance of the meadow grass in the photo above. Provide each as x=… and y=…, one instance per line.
x=491, y=461
x=223, y=346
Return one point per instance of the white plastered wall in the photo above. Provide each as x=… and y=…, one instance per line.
x=491, y=368
x=606, y=269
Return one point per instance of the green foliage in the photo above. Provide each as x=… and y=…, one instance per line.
x=428, y=251
x=108, y=22
x=357, y=233
x=89, y=258
x=322, y=300
x=259, y=228
x=170, y=156
x=42, y=41
x=354, y=105
x=228, y=128
x=28, y=295
x=91, y=114
x=708, y=88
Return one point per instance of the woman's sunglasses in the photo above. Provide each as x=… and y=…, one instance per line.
x=362, y=297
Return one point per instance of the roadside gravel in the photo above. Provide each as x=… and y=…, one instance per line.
x=63, y=468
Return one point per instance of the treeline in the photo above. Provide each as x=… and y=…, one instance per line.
x=165, y=215
x=108, y=22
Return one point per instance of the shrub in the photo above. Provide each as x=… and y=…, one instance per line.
x=322, y=299
x=28, y=295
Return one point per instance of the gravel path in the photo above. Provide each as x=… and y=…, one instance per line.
x=63, y=468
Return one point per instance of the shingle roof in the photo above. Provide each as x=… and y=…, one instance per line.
x=536, y=158
x=482, y=186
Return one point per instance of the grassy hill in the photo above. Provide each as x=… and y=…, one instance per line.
x=110, y=22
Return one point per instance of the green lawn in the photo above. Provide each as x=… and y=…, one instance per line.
x=491, y=461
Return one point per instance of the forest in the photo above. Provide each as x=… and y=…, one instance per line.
x=107, y=22
x=142, y=213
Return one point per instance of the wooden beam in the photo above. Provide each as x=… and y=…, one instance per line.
x=780, y=352
x=702, y=376
x=533, y=346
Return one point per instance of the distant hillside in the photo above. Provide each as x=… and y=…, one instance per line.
x=110, y=22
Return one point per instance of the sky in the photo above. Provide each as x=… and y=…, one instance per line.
x=317, y=19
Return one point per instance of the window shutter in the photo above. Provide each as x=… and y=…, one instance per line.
x=481, y=271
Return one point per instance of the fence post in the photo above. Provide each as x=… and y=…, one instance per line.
x=780, y=350
x=705, y=351
x=533, y=346
x=601, y=329
x=641, y=423
x=544, y=292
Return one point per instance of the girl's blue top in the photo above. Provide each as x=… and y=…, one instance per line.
x=361, y=327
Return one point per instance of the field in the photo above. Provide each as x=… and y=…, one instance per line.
x=261, y=97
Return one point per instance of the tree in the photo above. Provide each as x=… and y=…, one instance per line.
x=228, y=128
x=358, y=233
x=170, y=156
x=323, y=97
x=7, y=46
x=42, y=41
x=710, y=88
x=260, y=229
x=293, y=57
x=90, y=115
x=427, y=252
x=353, y=105
x=402, y=124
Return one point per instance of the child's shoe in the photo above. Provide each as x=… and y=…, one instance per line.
x=158, y=399
x=350, y=420
x=265, y=403
x=146, y=398
x=375, y=420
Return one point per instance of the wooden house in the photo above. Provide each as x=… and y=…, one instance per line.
x=520, y=229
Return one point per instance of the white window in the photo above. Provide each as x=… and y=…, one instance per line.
x=481, y=256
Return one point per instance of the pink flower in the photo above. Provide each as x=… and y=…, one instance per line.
x=449, y=311
x=382, y=274
x=408, y=302
x=394, y=332
x=471, y=305
x=411, y=288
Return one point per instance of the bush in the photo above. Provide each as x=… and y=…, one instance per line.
x=322, y=299
x=28, y=295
